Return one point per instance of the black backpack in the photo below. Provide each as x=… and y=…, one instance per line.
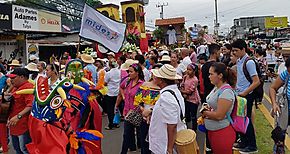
x=259, y=91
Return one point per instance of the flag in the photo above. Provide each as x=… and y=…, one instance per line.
x=95, y=26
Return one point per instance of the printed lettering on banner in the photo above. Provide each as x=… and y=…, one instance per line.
x=24, y=18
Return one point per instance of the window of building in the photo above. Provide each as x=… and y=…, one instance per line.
x=130, y=15
x=105, y=13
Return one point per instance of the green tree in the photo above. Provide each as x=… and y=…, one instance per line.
x=94, y=3
x=158, y=33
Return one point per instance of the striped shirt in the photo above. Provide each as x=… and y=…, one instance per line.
x=283, y=77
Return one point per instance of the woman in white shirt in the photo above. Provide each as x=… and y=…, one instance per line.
x=112, y=81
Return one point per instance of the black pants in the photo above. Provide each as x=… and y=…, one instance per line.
x=110, y=102
x=249, y=139
x=144, y=128
x=190, y=114
x=100, y=99
x=129, y=139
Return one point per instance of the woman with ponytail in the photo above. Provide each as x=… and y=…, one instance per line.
x=190, y=93
x=220, y=103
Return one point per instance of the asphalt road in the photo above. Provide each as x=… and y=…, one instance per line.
x=112, y=141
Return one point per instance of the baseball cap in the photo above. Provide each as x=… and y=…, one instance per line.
x=19, y=72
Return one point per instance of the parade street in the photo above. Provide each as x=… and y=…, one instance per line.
x=111, y=144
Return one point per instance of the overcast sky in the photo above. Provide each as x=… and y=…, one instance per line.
x=202, y=11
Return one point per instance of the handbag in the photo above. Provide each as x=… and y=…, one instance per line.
x=134, y=116
x=117, y=118
x=278, y=135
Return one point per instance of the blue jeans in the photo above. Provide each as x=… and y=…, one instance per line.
x=19, y=143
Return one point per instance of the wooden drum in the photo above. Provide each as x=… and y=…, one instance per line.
x=186, y=142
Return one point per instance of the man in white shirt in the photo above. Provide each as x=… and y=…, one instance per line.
x=202, y=49
x=182, y=67
x=167, y=113
x=112, y=80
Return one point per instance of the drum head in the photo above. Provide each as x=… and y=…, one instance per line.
x=185, y=136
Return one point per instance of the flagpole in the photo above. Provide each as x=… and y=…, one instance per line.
x=79, y=44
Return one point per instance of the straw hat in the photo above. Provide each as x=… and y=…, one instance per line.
x=87, y=58
x=111, y=54
x=33, y=57
x=101, y=60
x=164, y=52
x=15, y=63
x=165, y=58
x=163, y=47
x=57, y=63
x=166, y=72
x=102, y=49
x=32, y=67
x=127, y=64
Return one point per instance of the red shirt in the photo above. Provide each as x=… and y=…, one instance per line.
x=20, y=103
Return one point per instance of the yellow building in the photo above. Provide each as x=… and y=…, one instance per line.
x=110, y=10
x=133, y=15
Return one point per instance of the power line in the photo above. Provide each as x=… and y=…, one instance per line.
x=220, y=12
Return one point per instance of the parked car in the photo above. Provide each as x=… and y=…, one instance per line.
x=277, y=41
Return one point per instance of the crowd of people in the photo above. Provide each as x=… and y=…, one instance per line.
x=157, y=93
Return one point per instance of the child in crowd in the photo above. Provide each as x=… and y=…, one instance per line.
x=190, y=93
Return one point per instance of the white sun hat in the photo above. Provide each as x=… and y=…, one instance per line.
x=166, y=72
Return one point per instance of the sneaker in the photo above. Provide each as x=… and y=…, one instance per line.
x=208, y=150
x=109, y=128
x=248, y=150
x=238, y=146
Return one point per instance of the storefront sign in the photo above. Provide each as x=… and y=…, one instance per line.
x=5, y=16
x=24, y=18
x=275, y=22
x=49, y=21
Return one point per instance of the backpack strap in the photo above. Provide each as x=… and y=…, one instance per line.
x=245, y=70
x=173, y=93
x=219, y=93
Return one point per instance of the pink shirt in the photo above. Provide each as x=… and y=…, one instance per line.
x=123, y=74
x=129, y=93
x=190, y=85
x=193, y=57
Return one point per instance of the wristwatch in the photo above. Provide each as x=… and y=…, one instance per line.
x=19, y=116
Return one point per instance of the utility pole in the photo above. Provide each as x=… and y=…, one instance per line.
x=216, y=23
x=161, y=5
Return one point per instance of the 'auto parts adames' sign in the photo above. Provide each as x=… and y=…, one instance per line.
x=28, y=19
x=24, y=18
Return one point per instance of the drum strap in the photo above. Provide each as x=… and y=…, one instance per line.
x=173, y=93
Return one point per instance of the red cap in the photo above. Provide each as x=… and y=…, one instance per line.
x=11, y=75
